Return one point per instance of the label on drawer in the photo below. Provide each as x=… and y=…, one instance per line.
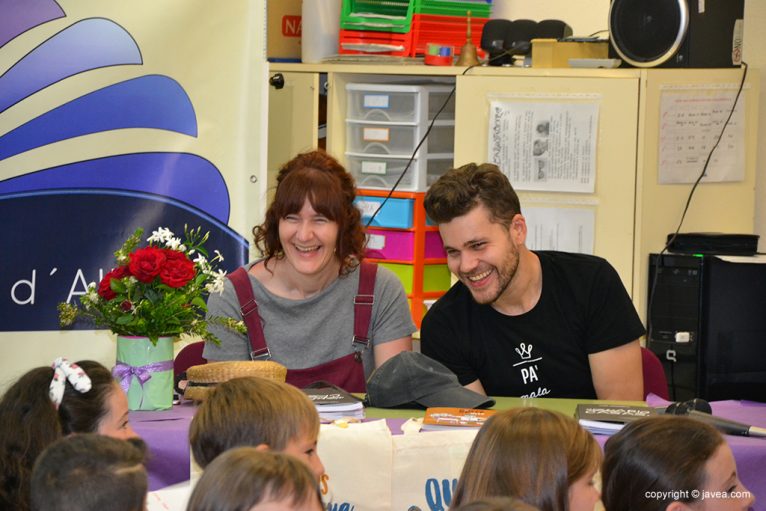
x=376, y=242
x=376, y=100
x=375, y=134
x=367, y=208
x=373, y=167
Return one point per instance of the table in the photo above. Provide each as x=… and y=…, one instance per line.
x=166, y=434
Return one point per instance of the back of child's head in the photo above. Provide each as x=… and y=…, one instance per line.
x=661, y=456
x=495, y=504
x=247, y=478
x=90, y=472
x=528, y=453
x=30, y=420
x=249, y=412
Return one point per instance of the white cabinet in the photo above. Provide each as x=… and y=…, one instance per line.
x=633, y=212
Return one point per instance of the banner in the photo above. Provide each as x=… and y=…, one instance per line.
x=116, y=115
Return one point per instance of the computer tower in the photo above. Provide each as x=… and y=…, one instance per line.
x=706, y=321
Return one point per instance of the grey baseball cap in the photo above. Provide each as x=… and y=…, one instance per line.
x=413, y=379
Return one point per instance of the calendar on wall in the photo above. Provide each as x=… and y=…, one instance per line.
x=691, y=121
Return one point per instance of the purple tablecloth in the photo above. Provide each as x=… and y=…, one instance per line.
x=167, y=435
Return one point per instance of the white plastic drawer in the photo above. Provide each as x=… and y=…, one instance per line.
x=399, y=103
x=398, y=139
x=387, y=106
x=368, y=138
x=381, y=173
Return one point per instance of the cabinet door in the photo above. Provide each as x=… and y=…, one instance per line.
x=613, y=199
x=293, y=120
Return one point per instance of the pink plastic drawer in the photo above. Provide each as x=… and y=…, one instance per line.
x=398, y=245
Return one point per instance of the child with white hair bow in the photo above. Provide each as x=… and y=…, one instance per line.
x=48, y=403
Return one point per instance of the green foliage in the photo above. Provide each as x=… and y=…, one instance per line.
x=132, y=300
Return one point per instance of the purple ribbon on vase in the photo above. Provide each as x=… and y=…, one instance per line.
x=125, y=372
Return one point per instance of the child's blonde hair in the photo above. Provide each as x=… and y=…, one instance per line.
x=532, y=454
x=244, y=477
x=250, y=412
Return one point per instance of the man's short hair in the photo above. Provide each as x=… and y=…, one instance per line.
x=460, y=190
x=90, y=472
x=248, y=412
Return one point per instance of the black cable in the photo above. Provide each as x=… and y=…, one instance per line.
x=671, y=239
x=430, y=126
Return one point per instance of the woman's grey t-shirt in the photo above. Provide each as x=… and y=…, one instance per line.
x=309, y=332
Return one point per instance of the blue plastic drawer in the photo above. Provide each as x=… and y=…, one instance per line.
x=395, y=213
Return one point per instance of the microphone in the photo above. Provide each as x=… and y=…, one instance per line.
x=700, y=410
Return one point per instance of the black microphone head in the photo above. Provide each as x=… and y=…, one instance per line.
x=699, y=405
x=520, y=35
x=493, y=37
x=683, y=408
x=553, y=29
x=677, y=408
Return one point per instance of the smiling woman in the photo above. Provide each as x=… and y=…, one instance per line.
x=320, y=311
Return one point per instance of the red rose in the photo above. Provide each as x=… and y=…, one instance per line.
x=177, y=270
x=105, y=286
x=145, y=263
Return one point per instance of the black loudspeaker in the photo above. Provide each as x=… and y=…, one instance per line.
x=502, y=39
x=708, y=327
x=676, y=33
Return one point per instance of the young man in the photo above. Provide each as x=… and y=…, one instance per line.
x=523, y=323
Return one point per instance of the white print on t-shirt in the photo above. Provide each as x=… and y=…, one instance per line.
x=529, y=369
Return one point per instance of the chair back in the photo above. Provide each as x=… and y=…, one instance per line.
x=190, y=355
x=654, y=375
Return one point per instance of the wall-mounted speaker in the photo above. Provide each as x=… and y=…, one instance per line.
x=677, y=33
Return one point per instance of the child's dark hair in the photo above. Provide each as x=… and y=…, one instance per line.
x=29, y=422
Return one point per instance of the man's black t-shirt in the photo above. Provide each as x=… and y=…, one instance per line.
x=583, y=309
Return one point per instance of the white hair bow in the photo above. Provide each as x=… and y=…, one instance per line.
x=64, y=370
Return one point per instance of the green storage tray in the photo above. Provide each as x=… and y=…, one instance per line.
x=377, y=15
x=479, y=9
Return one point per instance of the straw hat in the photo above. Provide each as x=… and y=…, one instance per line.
x=202, y=378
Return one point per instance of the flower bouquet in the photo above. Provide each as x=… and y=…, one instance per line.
x=155, y=295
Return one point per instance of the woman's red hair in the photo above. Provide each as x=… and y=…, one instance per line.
x=330, y=189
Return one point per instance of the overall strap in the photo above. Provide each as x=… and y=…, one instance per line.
x=363, y=302
x=249, y=310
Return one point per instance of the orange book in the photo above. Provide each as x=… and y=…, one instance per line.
x=449, y=418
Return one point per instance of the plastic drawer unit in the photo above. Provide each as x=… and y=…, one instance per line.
x=396, y=213
x=394, y=245
x=436, y=277
x=384, y=125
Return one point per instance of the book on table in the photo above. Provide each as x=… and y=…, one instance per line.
x=603, y=419
x=440, y=418
x=332, y=402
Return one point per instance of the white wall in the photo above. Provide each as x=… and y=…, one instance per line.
x=584, y=16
